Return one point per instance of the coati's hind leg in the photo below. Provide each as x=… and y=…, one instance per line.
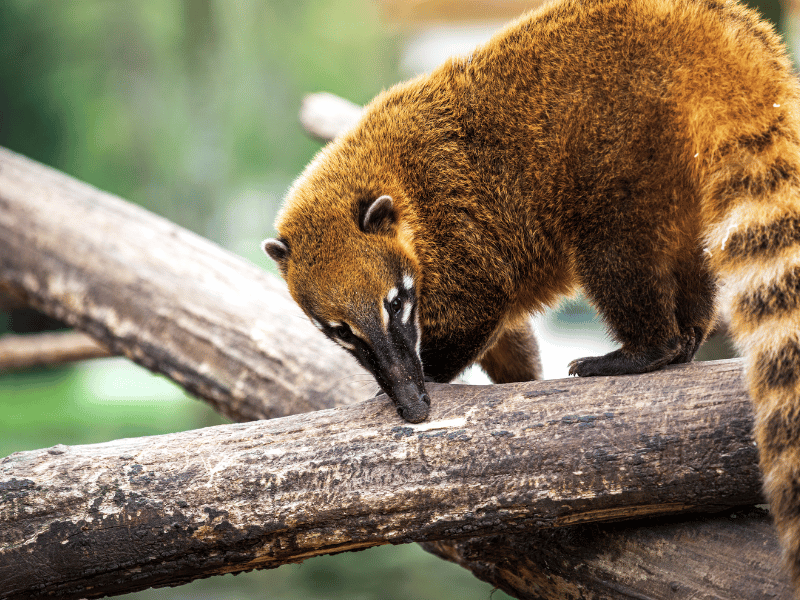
x=514, y=357
x=635, y=294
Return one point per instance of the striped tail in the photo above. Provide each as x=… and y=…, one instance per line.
x=754, y=248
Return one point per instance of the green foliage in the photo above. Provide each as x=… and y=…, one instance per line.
x=92, y=402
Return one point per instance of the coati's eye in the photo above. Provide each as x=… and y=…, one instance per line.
x=343, y=332
x=396, y=305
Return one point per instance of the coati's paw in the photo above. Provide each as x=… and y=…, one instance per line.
x=624, y=362
x=691, y=342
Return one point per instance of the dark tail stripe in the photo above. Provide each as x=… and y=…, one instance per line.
x=743, y=182
x=763, y=241
x=777, y=298
x=785, y=506
x=761, y=141
x=782, y=429
x=779, y=369
x=758, y=142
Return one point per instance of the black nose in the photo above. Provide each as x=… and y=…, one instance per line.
x=415, y=412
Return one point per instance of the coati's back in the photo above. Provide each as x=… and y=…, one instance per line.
x=644, y=150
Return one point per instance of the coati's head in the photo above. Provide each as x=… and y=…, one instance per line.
x=346, y=255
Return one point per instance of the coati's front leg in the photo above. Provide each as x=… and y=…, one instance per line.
x=636, y=294
x=694, y=304
x=514, y=356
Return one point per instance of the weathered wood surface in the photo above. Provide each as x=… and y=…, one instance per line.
x=86, y=521
x=166, y=298
x=324, y=115
x=37, y=349
x=729, y=556
x=9, y=300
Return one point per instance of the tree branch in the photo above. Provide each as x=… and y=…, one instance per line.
x=101, y=519
x=38, y=349
x=165, y=297
x=324, y=115
x=731, y=556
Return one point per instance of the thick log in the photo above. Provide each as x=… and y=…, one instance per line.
x=729, y=556
x=9, y=300
x=86, y=521
x=39, y=349
x=166, y=298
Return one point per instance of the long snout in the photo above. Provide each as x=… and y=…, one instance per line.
x=413, y=403
x=398, y=370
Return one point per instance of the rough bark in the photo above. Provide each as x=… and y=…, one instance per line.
x=38, y=349
x=730, y=556
x=10, y=300
x=166, y=298
x=85, y=521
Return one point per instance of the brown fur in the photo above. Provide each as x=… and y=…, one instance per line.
x=647, y=151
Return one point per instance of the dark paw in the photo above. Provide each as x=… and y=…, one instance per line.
x=624, y=362
x=691, y=342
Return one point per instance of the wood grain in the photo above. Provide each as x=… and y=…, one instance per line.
x=708, y=557
x=85, y=521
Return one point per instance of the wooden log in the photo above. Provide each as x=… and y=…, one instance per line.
x=10, y=300
x=324, y=115
x=166, y=298
x=86, y=521
x=52, y=348
x=729, y=556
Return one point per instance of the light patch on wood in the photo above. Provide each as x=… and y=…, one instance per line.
x=443, y=424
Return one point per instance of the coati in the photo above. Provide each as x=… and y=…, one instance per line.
x=647, y=151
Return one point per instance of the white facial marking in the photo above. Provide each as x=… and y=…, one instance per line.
x=338, y=340
x=384, y=318
x=316, y=323
x=391, y=295
x=345, y=345
x=408, y=282
x=407, y=306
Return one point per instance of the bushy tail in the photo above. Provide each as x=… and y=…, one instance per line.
x=753, y=244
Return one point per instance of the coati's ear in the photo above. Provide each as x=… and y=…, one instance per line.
x=277, y=250
x=379, y=216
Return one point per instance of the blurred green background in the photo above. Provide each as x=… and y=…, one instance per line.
x=188, y=107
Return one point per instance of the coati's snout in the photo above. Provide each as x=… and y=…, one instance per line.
x=385, y=338
x=413, y=403
x=398, y=371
